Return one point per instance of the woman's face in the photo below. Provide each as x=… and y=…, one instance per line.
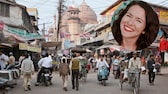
x=133, y=23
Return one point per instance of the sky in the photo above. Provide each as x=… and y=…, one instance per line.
x=48, y=8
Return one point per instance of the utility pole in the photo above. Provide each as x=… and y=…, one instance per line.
x=60, y=11
x=43, y=30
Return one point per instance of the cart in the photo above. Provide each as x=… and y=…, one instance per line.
x=133, y=80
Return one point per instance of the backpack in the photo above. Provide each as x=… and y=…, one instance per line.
x=64, y=69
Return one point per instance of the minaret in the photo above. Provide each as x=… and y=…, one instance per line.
x=74, y=27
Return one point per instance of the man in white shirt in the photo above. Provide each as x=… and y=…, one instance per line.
x=102, y=62
x=44, y=63
x=3, y=60
x=134, y=62
x=27, y=69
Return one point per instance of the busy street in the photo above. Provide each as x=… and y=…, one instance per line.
x=92, y=86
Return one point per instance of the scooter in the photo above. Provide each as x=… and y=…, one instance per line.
x=102, y=75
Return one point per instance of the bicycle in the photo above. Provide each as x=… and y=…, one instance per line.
x=133, y=80
x=83, y=72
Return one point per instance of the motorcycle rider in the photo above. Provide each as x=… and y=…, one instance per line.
x=44, y=63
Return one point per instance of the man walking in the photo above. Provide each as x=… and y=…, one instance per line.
x=75, y=68
x=27, y=69
x=64, y=71
x=150, y=67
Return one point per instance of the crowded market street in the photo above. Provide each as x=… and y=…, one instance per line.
x=92, y=86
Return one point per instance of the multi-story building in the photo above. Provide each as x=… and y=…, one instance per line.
x=15, y=25
x=33, y=12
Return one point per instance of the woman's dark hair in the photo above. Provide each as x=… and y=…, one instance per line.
x=151, y=29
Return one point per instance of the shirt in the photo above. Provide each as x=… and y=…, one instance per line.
x=27, y=66
x=102, y=63
x=70, y=65
x=116, y=62
x=11, y=59
x=135, y=63
x=45, y=62
x=3, y=60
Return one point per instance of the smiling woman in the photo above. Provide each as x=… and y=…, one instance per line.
x=135, y=25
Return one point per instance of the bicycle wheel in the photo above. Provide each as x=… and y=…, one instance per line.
x=85, y=76
x=136, y=86
x=121, y=84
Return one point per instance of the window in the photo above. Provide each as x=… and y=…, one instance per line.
x=4, y=10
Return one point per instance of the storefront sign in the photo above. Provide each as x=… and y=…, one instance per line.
x=163, y=16
x=34, y=49
x=25, y=46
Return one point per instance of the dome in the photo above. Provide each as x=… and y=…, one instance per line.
x=86, y=14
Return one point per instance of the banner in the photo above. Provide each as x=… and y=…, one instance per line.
x=25, y=46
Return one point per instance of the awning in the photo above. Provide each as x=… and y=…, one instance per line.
x=50, y=44
x=4, y=45
x=20, y=33
x=111, y=47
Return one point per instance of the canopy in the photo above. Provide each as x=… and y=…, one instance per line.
x=111, y=47
x=50, y=44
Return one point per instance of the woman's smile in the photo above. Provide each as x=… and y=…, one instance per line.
x=128, y=29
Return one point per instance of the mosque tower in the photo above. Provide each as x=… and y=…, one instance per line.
x=74, y=27
x=74, y=20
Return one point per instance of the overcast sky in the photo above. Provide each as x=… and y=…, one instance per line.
x=48, y=8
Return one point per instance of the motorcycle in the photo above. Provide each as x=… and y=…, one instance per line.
x=46, y=77
x=102, y=75
x=116, y=71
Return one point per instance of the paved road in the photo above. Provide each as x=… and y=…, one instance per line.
x=92, y=86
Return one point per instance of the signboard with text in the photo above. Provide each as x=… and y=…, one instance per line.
x=25, y=46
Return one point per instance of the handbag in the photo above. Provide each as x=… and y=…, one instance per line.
x=154, y=70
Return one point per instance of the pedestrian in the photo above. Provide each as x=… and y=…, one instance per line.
x=64, y=71
x=75, y=68
x=151, y=69
x=21, y=58
x=64, y=57
x=3, y=60
x=132, y=25
x=27, y=70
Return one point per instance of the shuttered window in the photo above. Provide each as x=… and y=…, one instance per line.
x=4, y=10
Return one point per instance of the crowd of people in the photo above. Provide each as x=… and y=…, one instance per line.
x=131, y=60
